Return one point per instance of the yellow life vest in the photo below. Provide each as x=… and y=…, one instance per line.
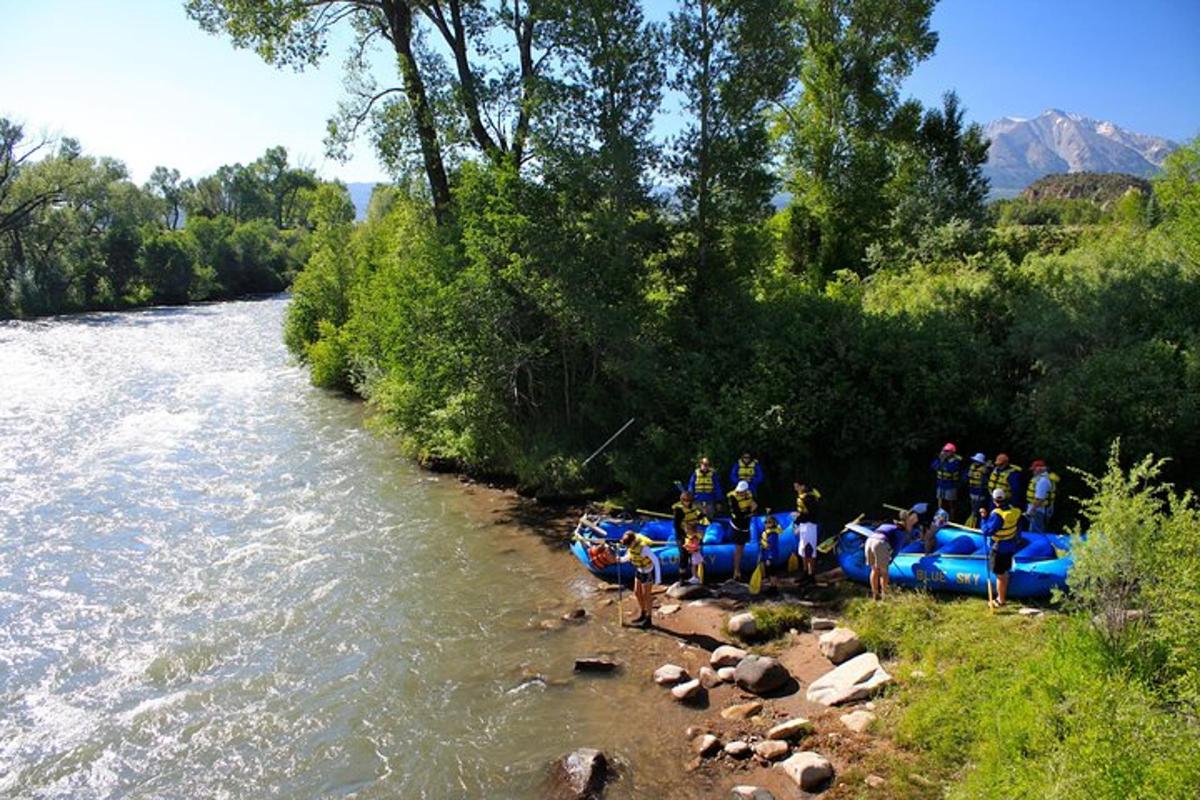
x=746, y=472
x=976, y=477
x=704, y=482
x=1010, y=520
x=1031, y=490
x=802, y=500
x=999, y=479
x=692, y=515
x=770, y=528
x=948, y=468
x=637, y=556
x=743, y=503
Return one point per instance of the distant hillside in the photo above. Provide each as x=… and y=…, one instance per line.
x=1099, y=188
x=1023, y=150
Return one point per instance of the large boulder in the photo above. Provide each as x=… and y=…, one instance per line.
x=669, y=674
x=808, y=770
x=580, y=775
x=840, y=644
x=743, y=625
x=760, y=674
x=857, y=679
x=726, y=656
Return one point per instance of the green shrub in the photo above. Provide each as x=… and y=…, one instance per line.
x=775, y=619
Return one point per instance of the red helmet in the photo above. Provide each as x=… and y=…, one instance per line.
x=949, y=447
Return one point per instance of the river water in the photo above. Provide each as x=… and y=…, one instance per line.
x=216, y=582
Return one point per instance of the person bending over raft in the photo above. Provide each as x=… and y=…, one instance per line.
x=1003, y=525
x=880, y=549
x=768, y=544
x=741, y=508
x=689, y=518
x=805, y=524
x=637, y=552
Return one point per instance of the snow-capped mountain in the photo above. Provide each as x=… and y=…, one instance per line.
x=1023, y=150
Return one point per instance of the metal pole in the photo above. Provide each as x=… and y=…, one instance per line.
x=610, y=441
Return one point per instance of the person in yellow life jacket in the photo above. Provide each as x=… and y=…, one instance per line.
x=947, y=468
x=978, y=472
x=1003, y=526
x=805, y=524
x=638, y=553
x=768, y=548
x=746, y=469
x=689, y=522
x=705, y=487
x=1039, y=497
x=741, y=509
x=1005, y=476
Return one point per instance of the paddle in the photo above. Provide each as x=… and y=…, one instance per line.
x=830, y=543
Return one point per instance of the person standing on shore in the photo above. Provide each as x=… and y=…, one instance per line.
x=1003, y=526
x=947, y=468
x=768, y=544
x=688, y=518
x=805, y=524
x=741, y=509
x=705, y=487
x=746, y=469
x=879, y=548
x=977, y=480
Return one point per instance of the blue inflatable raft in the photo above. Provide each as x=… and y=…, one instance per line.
x=959, y=562
x=717, y=550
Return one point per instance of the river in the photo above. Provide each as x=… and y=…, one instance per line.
x=216, y=582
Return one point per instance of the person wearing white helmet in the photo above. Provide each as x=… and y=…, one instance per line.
x=977, y=481
x=741, y=509
x=1003, y=526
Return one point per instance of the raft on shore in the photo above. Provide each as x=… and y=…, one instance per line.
x=717, y=550
x=959, y=562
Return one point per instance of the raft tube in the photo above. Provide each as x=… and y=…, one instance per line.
x=717, y=550
x=959, y=562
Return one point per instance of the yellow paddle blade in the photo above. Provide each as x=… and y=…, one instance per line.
x=700, y=571
x=827, y=545
x=793, y=562
x=756, y=579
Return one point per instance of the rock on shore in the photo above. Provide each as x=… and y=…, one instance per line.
x=840, y=644
x=760, y=674
x=808, y=770
x=581, y=775
x=857, y=679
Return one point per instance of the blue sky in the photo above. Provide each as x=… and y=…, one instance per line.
x=138, y=80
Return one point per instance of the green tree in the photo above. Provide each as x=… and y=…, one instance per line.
x=168, y=266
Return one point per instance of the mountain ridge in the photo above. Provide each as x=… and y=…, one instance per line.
x=1023, y=149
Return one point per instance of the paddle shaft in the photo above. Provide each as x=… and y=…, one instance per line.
x=611, y=439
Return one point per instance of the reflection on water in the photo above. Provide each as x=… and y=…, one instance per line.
x=214, y=583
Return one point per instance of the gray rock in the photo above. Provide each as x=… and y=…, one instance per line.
x=686, y=591
x=669, y=609
x=750, y=793
x=743, y=625
x=595, y=664
x=726, y=656
x=580, y=775
x=840, y=644
x=771, y=749
x=706, y=744
x=709, y=679
x=792, y=729
x=808, y=770
x=738, y=749
x=726, y=674
x=1026, y=611
x=687, y=690
x=823, y=624
x=669, y=674
x=875, y=782
x=742, y=710
x=760, y=674
x=858, y=721
x=857, y=679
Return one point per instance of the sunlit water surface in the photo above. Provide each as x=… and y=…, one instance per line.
x=214, y=582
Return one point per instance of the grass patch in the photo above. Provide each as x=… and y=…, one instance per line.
x=776, y=619
x=1003, y=706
